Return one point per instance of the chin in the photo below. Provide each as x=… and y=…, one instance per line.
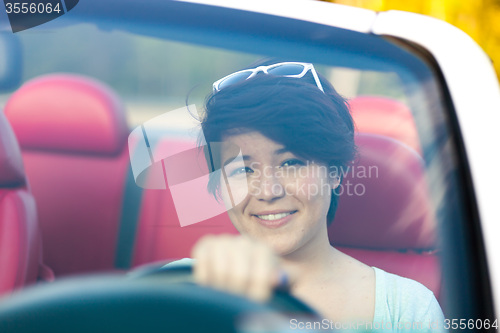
x=282, y=247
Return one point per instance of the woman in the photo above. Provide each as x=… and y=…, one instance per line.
x=295, y=134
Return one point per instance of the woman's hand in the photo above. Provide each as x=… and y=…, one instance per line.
x=236, y=264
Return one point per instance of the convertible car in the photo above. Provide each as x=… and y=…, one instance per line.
x=100, y=184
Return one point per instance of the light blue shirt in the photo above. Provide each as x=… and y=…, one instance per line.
x=404, y=305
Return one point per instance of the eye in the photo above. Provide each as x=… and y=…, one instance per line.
x=293, y=162
x=240, y=171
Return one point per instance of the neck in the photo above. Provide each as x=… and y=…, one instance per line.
x=315, y=260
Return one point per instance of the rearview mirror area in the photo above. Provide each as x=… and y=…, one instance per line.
x=11, y=67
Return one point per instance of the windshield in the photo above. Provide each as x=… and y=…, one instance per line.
x=127, y=186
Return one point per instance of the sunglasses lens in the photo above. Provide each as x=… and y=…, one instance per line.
x=287, y=69
x=233, y=79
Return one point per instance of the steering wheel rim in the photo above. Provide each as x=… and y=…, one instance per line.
x=281, y=300
x=139, y=302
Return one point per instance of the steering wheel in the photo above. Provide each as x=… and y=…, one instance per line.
x=153, y=300
x=281, y=300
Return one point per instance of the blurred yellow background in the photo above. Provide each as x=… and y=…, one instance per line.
x=480, y=19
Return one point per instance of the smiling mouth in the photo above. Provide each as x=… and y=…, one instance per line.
x=274, y=217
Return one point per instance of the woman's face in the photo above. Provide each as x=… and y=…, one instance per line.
x=283, y=200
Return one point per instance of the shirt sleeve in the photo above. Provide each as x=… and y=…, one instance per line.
x=405, y=305
x=421, y=312
x=434, y=316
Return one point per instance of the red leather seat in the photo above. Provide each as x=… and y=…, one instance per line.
x=20, y=243
x=385, y=116
x=73, y=134
x=160, y=234
x=387, y=222
x=386, y=218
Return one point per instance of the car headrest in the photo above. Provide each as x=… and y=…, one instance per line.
x=68, y=113
x=11, y=162
x=384, y=200
x=385, y=116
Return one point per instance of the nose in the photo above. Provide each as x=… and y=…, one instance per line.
x=268, y=187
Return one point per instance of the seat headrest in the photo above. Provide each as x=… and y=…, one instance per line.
x=68, y=113
x=385, y=116
x=384, y=201
x=11, y=162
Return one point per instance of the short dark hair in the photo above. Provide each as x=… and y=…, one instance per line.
x=320, y=123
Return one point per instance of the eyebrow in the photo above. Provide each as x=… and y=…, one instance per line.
x=281, y=151
x=248, y=157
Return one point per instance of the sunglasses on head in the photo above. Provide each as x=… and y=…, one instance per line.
x=286, y=69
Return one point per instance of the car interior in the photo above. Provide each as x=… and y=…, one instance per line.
x=84, y=221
